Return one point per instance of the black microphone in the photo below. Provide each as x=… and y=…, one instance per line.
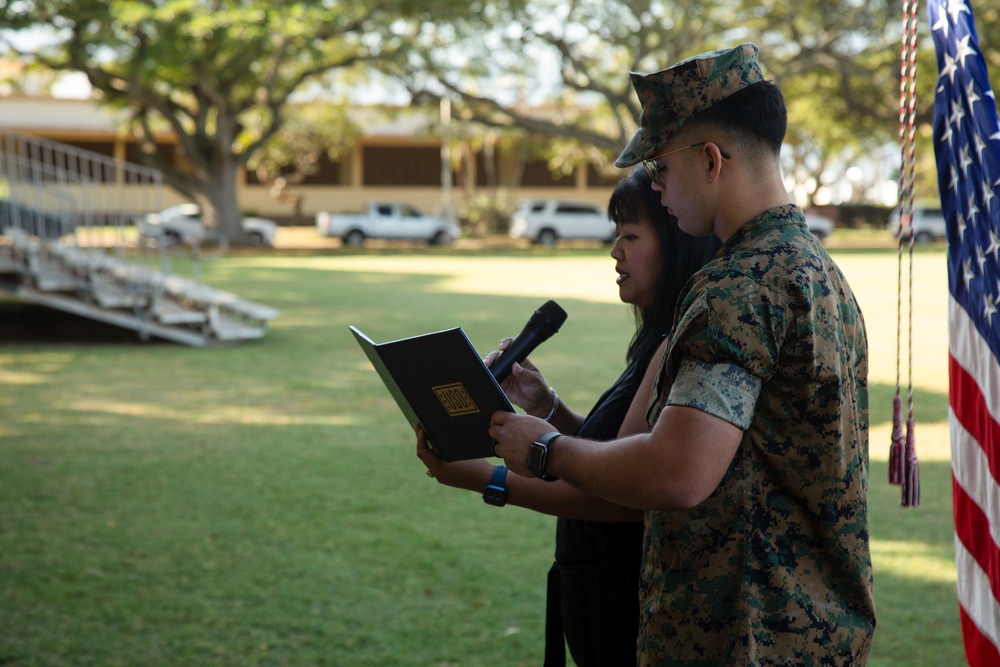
x=543, y=323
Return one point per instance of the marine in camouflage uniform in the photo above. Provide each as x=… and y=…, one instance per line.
x=754, y=474
x=774, y=568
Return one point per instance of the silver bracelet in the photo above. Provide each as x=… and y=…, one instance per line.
x=555, y=404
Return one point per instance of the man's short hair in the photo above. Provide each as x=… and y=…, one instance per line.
x=755, y=118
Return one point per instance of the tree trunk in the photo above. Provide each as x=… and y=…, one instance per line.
x=218, y=198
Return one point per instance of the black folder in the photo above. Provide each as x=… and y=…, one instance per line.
x=440, y=382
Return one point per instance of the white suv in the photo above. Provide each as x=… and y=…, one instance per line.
x=183, y=224
x=544, y=221
x=928, y=224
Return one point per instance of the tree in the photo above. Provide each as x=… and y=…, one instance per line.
x=837, y=62
x=218, y=74
x=312, y=132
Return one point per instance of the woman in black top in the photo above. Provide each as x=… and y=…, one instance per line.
x=593, y=585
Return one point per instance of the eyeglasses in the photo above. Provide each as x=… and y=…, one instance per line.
x=654, y=169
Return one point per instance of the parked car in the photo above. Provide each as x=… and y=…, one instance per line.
x=928, y=224
x=820, y=225
x=183, y=224
x=545, y=221
x=387, y=220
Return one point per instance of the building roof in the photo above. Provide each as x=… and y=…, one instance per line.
x=27, y=114
x=51, y=115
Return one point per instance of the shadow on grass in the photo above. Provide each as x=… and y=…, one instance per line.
x=25, y=323
x=913, y=553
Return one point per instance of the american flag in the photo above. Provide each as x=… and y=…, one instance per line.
x=967, y=147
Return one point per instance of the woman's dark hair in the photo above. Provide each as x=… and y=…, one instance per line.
x=681, y=255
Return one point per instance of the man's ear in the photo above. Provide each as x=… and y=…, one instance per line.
x=714, y=161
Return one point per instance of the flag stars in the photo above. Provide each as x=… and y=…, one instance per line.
x=957, y=114
x=980, y=146
x=967, y=273
x=970, y=94
x=956, y=7
x=994, y=248
x=964, y=50
x=967, y=144
x=946, y=135
x=973, y=209
x=942, y=24
x=988, y=194
x=989, y=309
x=949, y=68
x=966, y=160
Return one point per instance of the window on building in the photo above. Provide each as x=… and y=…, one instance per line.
x=327, y=172
x=537, y=175
x=134, y=153
x=484, y=169
x=597, y=178
x=398, y=165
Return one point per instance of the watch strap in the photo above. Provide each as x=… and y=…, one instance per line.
x=548, y=437
x=499, y=477
x=543, y=443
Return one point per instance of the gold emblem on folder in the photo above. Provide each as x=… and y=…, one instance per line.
x=455, y=399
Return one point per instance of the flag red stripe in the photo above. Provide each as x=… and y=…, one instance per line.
x=979, y=650
x=973, y=413
x=967, y=154
x=972, y=527
x=973, y=380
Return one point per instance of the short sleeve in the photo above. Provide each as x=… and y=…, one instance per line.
x=725, y=347
x=723, y=390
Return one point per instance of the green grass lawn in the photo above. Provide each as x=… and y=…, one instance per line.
x=262, y=504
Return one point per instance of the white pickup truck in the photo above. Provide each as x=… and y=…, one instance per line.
x=387, y=220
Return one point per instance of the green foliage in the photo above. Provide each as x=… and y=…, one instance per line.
x=263, y=505
x=311, y=131
x=838, y=63
x=219, y=75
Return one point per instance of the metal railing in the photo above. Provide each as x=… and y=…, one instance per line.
x=70, y=236
x=60, y=192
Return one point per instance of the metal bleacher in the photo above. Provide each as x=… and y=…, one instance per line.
x=68, y=241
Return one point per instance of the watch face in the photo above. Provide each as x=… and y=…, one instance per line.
x=536, y=457
x=494, y=496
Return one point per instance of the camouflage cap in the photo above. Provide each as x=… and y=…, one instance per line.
x=670, y=96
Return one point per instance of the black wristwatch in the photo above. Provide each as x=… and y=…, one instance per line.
x=538, y=456
x=495, y=492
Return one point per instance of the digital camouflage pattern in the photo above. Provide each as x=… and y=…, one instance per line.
x=671, y=96
x=774, y=568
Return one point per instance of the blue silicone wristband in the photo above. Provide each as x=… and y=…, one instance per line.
x=499, y=478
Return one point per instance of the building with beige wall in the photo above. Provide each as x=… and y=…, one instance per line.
x=397, y=157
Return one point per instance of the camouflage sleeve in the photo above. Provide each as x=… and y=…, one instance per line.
x=726, y=346
x=723, y=390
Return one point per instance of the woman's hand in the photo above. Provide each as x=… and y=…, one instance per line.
x=472, y=475
x=525, y=386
